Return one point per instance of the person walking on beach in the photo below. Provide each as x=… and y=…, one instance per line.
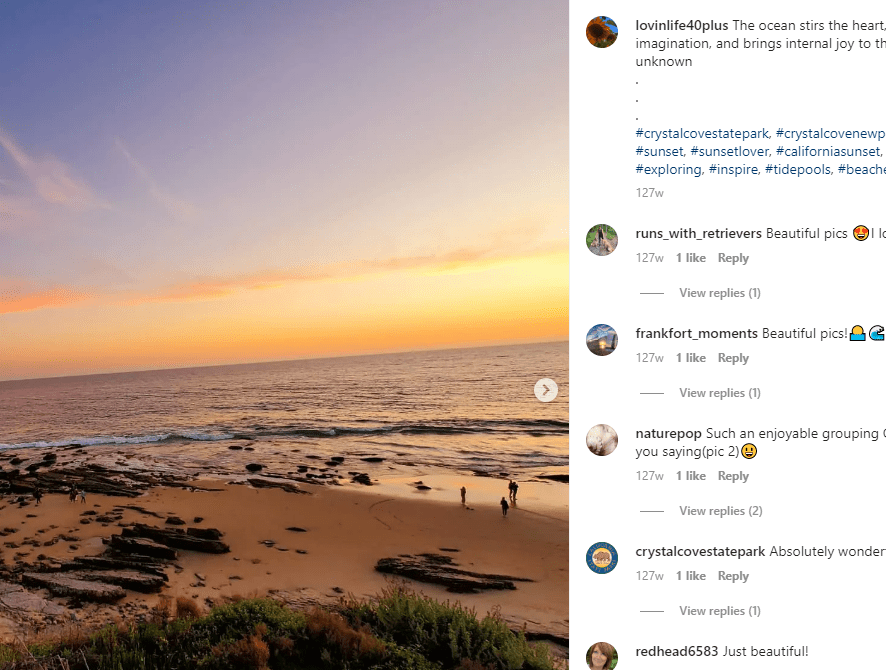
x=504, y=506
x=38, y=496
x=82, y=496
x=514, y=487
x=511, y=489
x=463, y=493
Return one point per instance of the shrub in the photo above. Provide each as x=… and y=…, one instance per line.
x=248, y=652
x=448, y=634
x=343, y=642
x=186, y=608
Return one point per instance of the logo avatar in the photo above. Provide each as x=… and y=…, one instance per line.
x=602, y=558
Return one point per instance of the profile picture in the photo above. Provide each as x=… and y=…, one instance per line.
x=602, y=558
x=602, y=339
x=602, y=32
x=602, y=656
x=602, y=440
x=602, y=239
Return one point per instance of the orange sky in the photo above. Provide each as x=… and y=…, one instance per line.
x=283, y=184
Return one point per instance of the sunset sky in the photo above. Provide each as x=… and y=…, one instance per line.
x=185, y=185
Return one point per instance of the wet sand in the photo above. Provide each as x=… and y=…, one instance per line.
x=347, y=530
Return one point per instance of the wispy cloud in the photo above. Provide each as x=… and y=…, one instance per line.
x=52, y=179
x=19, y=298
x=16, y=298
x=180, y=209
x=458, y=261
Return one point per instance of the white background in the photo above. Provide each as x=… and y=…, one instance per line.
x=813, y=493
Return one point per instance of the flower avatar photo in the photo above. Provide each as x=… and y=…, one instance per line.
x=602, y=32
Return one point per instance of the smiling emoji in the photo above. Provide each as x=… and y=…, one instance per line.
x=861, y=233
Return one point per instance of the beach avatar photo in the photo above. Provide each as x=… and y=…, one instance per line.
x=602, y=32
x=602, y=440
x=602, y=239
x=601, y=656
x=602, y=340
x=602, y=558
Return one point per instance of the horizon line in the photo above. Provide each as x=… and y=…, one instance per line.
x=512, y=343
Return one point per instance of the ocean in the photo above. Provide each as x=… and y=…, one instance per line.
x=465, y=411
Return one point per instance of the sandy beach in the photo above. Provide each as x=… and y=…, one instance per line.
x=345, y=532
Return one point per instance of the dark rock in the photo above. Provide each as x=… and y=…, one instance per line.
x=80, y=589
x=556, y=478
x=89, y=512
x=128, y=579
x=198, y=519
x=16, y=461
x=175, y=521
x=205, y=533
x=235, y=447
x=269, y=484
x=296, y=529
x=439, y=569
x=176, y=538
x=151, y=567
x=373, y=459
x=254, y=467
x=142, y=546
x=50, y=457
x=140, y=509
x=362, y=478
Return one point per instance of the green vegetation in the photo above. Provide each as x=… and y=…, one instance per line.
x=401, y=630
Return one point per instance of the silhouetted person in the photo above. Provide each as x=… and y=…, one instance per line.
x=82, y=496
x=72, y=494
x=38, y=496
x=463, y=493
x=514, y=487
x=504, y=506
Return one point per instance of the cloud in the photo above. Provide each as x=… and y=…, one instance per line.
x=180, y=209
x=17, y=298
x=458, y=261
x=52, y=179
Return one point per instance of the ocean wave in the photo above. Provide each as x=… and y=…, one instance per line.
x=533, y=428
x=116, y=439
